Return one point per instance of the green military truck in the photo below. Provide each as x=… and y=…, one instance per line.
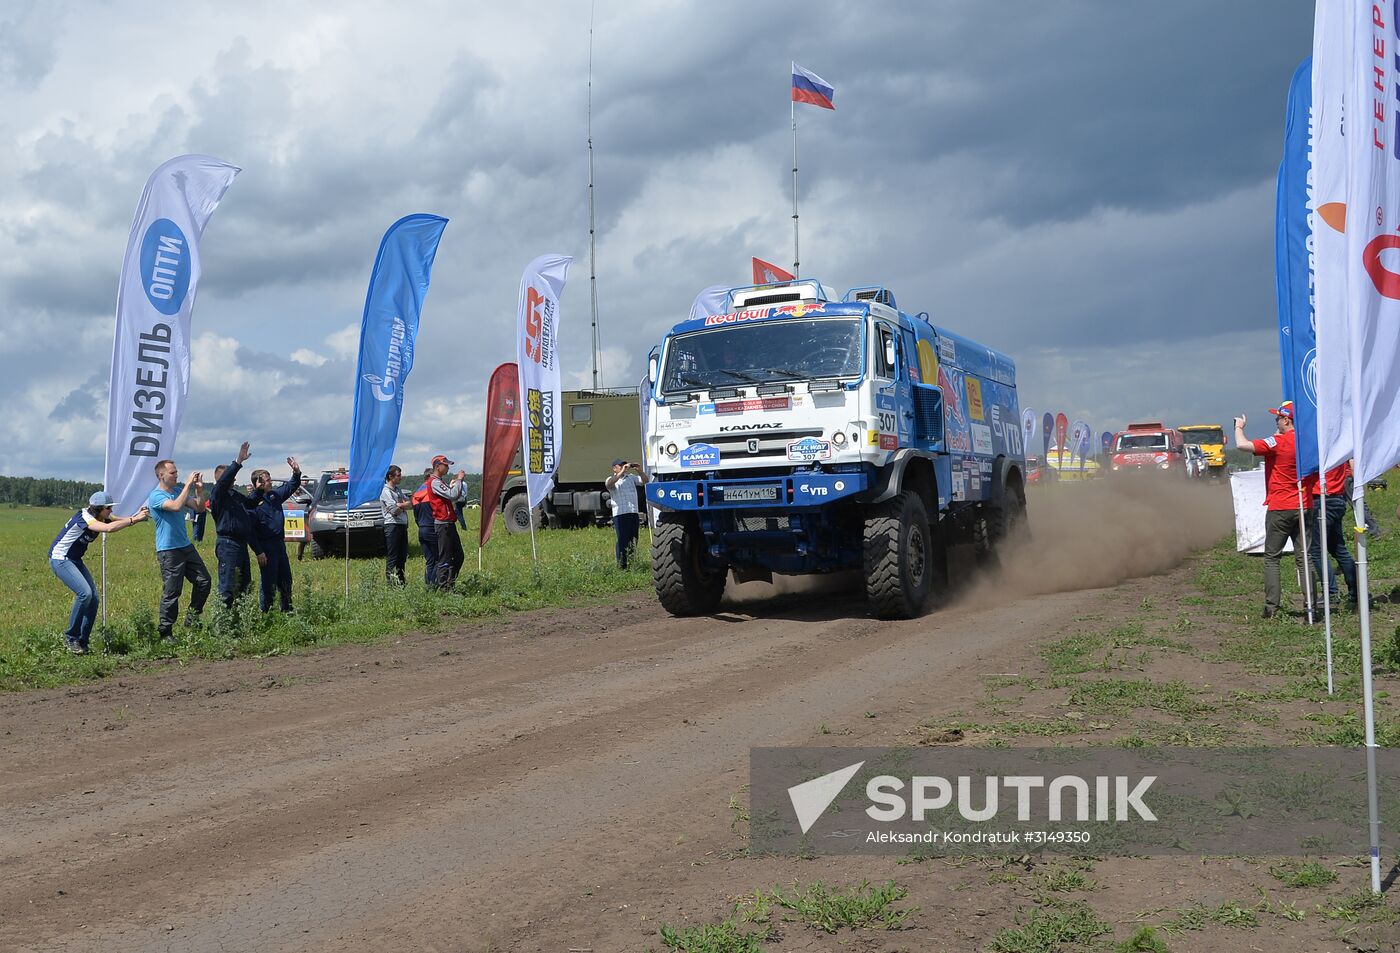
x=599, y=427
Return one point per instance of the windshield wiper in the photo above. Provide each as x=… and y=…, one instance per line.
x=786, y=372
x=741, y=375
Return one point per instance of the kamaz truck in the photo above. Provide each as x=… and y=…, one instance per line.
x=794, y=434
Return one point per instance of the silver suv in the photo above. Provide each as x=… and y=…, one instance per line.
x=327, y=521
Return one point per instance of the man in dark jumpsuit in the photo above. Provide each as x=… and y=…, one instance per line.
x=233, y=521
x=268, y=531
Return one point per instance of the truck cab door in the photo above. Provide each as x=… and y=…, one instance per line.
x=888, y=375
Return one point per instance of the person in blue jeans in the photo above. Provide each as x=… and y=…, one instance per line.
x=178, y=559
x=1336, y=485
x=66, y=561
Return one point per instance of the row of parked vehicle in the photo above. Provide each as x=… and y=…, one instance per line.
x=1192, y=452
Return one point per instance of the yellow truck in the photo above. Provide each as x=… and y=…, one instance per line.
x=1211, y=439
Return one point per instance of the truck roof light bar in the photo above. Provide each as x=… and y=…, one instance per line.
x=769, y=390
x=818, y=386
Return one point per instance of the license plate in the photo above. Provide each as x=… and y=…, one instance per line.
x=749, y=494
x=361, y=523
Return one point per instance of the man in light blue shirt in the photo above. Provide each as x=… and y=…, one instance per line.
x=178, y=558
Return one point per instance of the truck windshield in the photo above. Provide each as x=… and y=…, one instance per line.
x=1209, y=436
x=1142, y=441
x=763, y=352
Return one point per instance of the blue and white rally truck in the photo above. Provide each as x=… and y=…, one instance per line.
x=794, y=434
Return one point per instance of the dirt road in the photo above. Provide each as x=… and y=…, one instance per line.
x=446, y=792
x=551, y=781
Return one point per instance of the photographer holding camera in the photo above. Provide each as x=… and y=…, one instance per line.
x=623, y=486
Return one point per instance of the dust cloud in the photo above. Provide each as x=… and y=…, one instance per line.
x=1088, y=535
x=1097, y=534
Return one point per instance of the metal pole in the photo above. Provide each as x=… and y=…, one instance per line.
x=104, y=589
x=534, y=553
x=347, y=553
x=796, y=258
x=1363, y=606
x=1306, y=555
x=1326, y=581
x=592, y=264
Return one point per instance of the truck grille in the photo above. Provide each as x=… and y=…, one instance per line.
x=770, y=443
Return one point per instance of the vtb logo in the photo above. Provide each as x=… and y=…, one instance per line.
x=534, y=324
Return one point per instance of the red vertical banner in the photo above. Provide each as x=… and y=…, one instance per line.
x=502, y=440
x=1061, y=433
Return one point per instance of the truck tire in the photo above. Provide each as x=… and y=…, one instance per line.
x=683, y=584
x=898, y=557
x=518, y=515
x=1007, y=522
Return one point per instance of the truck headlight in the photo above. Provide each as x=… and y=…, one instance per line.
x=839, y=438
x=672, y=449
x=1165, y=465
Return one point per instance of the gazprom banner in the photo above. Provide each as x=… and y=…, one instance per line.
x=155, y=297
x=1293, y=269
x=537, y=353
x=397, y=286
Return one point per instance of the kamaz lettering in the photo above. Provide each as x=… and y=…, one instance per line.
x=736, y=428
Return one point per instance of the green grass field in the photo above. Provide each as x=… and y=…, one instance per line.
x=575, y=566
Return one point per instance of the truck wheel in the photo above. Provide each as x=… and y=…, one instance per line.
x=517, y=514
x=684, y=584
x=1008, y=521
x=898, y=557
x=317, y=550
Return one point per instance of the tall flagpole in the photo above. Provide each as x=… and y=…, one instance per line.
x=1306, y=554
x=796, y=258
x=592, y=265
x=104, y=590
x=1326, y=572
x=1363, y=605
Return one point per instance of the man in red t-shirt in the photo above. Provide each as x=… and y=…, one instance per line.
x=1282, y=522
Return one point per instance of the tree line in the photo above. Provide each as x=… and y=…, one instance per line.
x=45, y=491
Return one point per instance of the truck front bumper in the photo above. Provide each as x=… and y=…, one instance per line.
x=794, y=490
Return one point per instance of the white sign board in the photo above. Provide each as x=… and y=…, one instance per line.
x=1247, y=489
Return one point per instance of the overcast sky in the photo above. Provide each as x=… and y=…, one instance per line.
x=1087, y=186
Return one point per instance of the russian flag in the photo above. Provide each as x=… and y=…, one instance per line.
x=808, y=87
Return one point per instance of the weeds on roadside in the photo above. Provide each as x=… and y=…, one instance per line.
x=1307, y=873
x=1052, y=927
x=722, y=937
x=830, y=908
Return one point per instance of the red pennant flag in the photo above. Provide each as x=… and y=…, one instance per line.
x=502, y=440
x=766, y=273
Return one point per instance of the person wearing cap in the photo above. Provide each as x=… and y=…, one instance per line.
x=233, y=521
x=1283, y=521
x=422, y=500
x=66, y=561
x=176, y=555
x=623, y=486
x=443, y=497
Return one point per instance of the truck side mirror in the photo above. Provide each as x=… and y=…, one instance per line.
x=889, y=352
x=652, y=368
